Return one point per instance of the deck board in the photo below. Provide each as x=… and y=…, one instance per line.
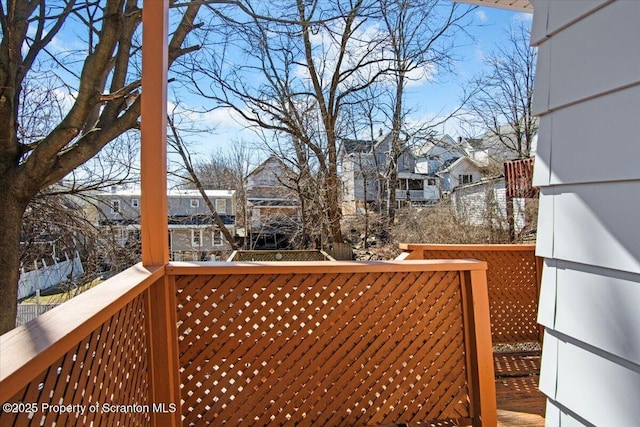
x=520, y=403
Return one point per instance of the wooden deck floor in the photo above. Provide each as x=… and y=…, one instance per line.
x=520, y=403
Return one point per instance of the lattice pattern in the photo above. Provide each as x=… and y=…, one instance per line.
x=322, y=349
x=278, y=256
x=513, y=291
x=108, y=367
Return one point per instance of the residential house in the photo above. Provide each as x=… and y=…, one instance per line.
x=363, y=168
x=457, y=172
x=489, y=149
x=273, y=208
x=193, y=234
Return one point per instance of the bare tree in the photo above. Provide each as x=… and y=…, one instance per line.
x=502, y=103
x=177, y=143
x=422, y=36
x=101, y=86
x=226, y=170
x=299, y=65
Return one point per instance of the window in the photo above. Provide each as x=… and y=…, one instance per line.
x=195, y=203
x=431, y=181
x=196, y=238
x=135, y=203
x=121, y=234
x=415, y=184
x=217, y=238
x=221, y=205
x=465, y=179
x=115, y=206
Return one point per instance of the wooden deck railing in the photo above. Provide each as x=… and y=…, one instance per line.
x=260, y=343
x=513, y=277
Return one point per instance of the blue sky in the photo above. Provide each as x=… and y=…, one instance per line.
x=430, y=99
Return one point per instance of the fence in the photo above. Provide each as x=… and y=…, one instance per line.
x=283, y=255
x=48, y=276
x=28, y=312
x=313, y=343
x=96, y=349
x=513, y=279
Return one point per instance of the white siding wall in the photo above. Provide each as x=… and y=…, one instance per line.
x=486, y=204
x=588, y=99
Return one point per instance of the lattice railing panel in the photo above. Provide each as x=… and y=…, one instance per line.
x=108, y=368
x=513, y=291
x=322, y=349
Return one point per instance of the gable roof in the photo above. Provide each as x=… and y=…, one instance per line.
x=437, y=145
x=350, y=146
x=452, y=163
x=272, y=159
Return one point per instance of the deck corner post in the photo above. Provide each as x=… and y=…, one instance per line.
x=479, y=348
x=163, y=360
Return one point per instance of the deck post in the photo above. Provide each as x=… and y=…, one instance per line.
x=163, y=363
x=163, y=359
x=153, y=147
x=477, y=327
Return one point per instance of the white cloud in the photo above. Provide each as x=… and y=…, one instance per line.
x=481, y=16
x=223, y=120
x=522, y=17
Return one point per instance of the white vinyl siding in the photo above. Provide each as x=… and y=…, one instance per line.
x=588, y=96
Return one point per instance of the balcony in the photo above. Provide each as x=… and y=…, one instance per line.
x=348, y=343
x=273, y=343
x=255, y=343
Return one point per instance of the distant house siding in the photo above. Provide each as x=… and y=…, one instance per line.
x=485, y=203
x=588, y=98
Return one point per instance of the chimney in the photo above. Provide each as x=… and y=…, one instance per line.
x=380, y=132
x=459, y=140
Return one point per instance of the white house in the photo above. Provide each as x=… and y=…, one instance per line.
x=490, y=149
x=460, y=171
x=363, y=166
x=587, y=96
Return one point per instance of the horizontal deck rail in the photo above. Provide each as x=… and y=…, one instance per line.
x=87, y=360
x=513, y=277
x=301, y=343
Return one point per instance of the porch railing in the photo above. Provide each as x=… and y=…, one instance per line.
x=514, y=275
x=309, y=343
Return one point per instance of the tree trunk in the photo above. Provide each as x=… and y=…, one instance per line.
x=11, y=212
